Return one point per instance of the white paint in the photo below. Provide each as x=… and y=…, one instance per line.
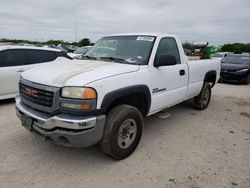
x=9, y=78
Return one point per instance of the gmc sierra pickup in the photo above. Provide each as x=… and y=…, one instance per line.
x=104, y=97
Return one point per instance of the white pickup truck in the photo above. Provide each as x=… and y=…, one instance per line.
x=104, y=97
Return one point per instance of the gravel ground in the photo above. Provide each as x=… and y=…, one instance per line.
x=191, y=148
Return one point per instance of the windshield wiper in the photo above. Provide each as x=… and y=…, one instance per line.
x=88, y=57
x=119, y=60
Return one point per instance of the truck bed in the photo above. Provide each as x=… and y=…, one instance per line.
x=197, y=70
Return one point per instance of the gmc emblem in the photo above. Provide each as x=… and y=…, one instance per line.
x=31, y=92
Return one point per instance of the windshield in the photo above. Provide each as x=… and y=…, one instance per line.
x=122, y=49
x=81, y=50
x=236, y=59
x=217, y=55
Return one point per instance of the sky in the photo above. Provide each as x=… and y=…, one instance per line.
x=215, y=21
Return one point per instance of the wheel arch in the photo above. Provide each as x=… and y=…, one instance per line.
x=138, y=96
x=211, y=77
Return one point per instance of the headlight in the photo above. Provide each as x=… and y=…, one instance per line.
x=79, y=93
x=242, y=70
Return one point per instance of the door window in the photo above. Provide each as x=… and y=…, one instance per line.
x=10, y=58
x=168, y=46
x=39, y=56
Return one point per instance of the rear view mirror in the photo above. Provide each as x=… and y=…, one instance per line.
x=165, y=60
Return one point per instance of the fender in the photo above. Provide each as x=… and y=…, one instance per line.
x=109, y=98
x=209, y=77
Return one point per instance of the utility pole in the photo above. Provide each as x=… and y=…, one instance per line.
x=75, y=33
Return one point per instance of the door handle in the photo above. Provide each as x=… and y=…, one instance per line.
x=21, y=70
x=182, y=72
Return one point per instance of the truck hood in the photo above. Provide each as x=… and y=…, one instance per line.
x=64, y=72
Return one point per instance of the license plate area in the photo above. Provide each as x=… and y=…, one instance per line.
x=27, y=122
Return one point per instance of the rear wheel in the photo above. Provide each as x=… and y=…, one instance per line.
x=248, y=79
x=122, y=132
x=220, y=80
x=201, y=101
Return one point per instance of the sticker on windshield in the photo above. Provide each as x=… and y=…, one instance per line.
x=245, y=58
x=145, y=38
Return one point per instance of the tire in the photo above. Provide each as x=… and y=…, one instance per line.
x=201, y=101
x=248, y=79
x=122, y=132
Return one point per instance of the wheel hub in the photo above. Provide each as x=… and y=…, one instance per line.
x=127, y=133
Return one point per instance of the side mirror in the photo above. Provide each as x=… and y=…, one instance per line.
x=165, y=60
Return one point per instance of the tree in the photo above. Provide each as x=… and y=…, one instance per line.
x=236, y=48
x=83, y=42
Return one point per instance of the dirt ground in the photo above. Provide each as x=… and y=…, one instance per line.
x=191, y=148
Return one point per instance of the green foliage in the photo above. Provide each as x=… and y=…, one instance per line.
x=82, y=42
x=236, y=48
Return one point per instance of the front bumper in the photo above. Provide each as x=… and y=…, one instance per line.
x=62, y=129
x=234, y=76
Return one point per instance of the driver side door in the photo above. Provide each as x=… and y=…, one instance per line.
x=168, y=83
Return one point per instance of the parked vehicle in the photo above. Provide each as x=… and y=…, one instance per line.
x=59, y=48
x=199, y=53
x=71, y=48
x=219, y=55
x=202, y=50
x=79, y=52
x=16, y=59
x=103, y=98
x=67, y=48
x=236, y=68
x=187, y=52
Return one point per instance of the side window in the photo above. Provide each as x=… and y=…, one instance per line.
x=168, y=46
x=53, y=55
x=39, y=56
x=10, y=58
x=59, y=54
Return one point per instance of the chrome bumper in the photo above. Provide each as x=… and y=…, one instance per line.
x=63, y=129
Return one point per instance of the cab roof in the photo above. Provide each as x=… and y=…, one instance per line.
x=142, y=34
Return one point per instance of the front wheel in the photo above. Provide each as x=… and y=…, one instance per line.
x=201, y=101
x=122, y=132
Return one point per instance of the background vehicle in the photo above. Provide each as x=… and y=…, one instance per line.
x=103, y=98
x=79, y=52
x=199, y=53
x=219, y=55
x=187, y=52
x=236, y=68
x=16, y=59
x=201, y=49
x=67, y=48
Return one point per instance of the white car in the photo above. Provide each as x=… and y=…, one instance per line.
x=104, y=97
x=17, y=59
x=79, y=52
x=219, y=55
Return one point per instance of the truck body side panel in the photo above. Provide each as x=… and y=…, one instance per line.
x=197, y=71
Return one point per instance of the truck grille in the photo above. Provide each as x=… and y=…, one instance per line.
x=37, y=96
